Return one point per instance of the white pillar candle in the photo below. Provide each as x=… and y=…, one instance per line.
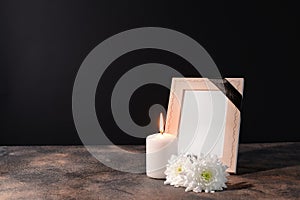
x=159, y=148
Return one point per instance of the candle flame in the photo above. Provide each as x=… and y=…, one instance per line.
x=161, y=123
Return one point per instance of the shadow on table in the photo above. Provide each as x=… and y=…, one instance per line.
x=269, y=157
x=3, y=150
x=238, y=186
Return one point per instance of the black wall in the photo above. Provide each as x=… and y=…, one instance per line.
x=43, y=43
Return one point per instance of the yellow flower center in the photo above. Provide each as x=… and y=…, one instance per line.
x=178, y=170
x=206, y=175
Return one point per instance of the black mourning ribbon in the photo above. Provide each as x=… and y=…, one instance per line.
x=229, y=91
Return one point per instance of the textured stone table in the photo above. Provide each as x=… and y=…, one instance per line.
x=265, y=171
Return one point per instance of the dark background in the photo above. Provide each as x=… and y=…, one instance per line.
x=43, y=43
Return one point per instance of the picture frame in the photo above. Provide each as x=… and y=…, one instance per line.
x=205, y=116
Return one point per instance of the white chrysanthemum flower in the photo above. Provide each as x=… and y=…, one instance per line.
x=177, y=169
x=206, y=174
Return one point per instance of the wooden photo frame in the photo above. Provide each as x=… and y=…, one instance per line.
x=205, y=116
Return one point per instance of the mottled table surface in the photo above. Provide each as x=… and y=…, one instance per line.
x=265, y=171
